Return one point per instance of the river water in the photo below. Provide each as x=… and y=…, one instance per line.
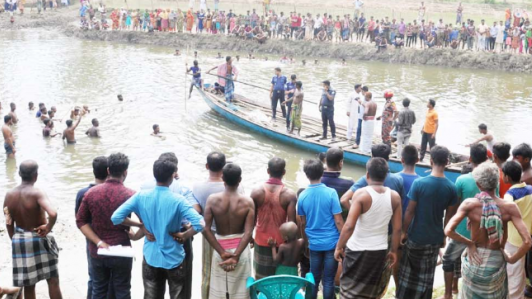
x=44, y=66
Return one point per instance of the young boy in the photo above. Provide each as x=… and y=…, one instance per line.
x=156, y=131
x=521, y=194
x=48, y=129
x=290, y=252
x=95, y=130
x=31, y=106
x=196, y=76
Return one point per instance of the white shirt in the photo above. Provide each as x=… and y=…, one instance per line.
x=353, y=106
x=358, y=4
x=317, y=23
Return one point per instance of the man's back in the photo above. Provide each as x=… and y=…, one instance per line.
x=230, y=210
x=23, y=206
x=433, y=196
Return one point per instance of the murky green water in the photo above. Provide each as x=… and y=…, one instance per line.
x=44, y=66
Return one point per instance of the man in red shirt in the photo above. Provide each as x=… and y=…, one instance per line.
x=94, y=221
x=293, y=23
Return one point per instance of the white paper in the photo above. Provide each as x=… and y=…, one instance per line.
x=119, y=250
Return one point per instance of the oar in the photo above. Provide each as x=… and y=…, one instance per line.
x=252, y=85
x=186, y=86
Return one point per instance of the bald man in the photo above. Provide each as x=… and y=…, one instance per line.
x=35, y=252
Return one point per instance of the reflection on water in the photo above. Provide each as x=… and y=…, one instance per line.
x=44, y=66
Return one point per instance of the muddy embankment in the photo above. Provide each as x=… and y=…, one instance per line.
x=65, y=20
x=435, y=57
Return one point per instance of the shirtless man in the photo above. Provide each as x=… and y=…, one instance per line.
x=44, y=114
x=234, y=215
x=156, y=131
x=488, y=137
x=523, y=154
x=485, y=254
x=31, y=106
x=48, y=129
x=9, y=140
x=69, y=133
x=25, y=209
x=74, y=113
x=12, y=113
x=368, y=123
x=275, y=204
x=95, y=130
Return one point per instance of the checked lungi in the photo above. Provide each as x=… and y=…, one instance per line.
x=34, y=258
x=362, y=274
x=263, y=262
x=488, y=280
x=416, y=273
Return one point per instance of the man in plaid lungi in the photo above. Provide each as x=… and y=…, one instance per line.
x=35, y=253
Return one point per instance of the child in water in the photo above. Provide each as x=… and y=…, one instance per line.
x=290, y=252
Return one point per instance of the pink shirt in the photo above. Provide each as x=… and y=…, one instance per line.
x=222, y=71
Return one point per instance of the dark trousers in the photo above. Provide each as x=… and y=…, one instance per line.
x=277, y=96
x=187, y=263
x=115, y=271
x=288, y=112
x=327, y=119
x=426, y=138
x=155, y=282
x=110, y=291
x=359, y=131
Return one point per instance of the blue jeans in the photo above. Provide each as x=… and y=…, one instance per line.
x=323, y=266
x=359, y=131
x=288, y=111
x=110, y=292
x=115, y=271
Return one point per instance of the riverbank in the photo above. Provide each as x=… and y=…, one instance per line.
x=65, y=20
x=349, y=51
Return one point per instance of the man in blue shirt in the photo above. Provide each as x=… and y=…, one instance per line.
x=196, y=76
x=430, y=198
x=409, y=158
x=392, y=181
x=327, y=110
x=290, y=89
x=277, y=92
x=321, y=216
x=162, y=212
x=99, y=168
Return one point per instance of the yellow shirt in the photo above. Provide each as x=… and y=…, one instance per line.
x=521, y=194
x=430, y=122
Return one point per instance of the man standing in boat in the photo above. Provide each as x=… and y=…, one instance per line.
x=227, y=74
x=353, y=111
x=277, y=92
x=327, y=110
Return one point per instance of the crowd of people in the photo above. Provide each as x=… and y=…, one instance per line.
x=513, y=34
x=352, y=236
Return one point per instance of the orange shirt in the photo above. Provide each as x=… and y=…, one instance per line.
x=430, y=122
x=503, y=187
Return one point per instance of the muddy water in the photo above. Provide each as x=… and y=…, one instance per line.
x=44, y=66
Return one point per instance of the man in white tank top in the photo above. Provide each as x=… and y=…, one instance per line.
x=363, y=245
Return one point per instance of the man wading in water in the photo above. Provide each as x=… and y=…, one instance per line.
x=69, y=133
x=9, y=140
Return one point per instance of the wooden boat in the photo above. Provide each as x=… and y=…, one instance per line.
x=241, y=111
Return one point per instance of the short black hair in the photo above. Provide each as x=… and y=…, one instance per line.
x=7, y=118
x=333, y=157
x=299, y=84
x=118, y=164
x=439, y=155
x=432, y=102
x=94, y=120
x=483, y=127
x=227, y=58
x=28, y=170
x=232, y=174
x=41, y=105
x=46, y=121
x=155, y=126
x=381, y=150
x=313, y=168
x=513, y=170
x=365, y=88
x=357, y=86
x=321, y=156
x=99, y=167
x=410, y=155
x=478, y=153
x=327, y=83
x=163, y=170
x=377, y=169
x=50, y=112
x=69, y=123
x=169, y=156
x=406, y=102
x=276, y=167
x=522, y=150
x=293, y=77
x=277, y=69
x=215, y=161
x=502, y=150
x=195, y=62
